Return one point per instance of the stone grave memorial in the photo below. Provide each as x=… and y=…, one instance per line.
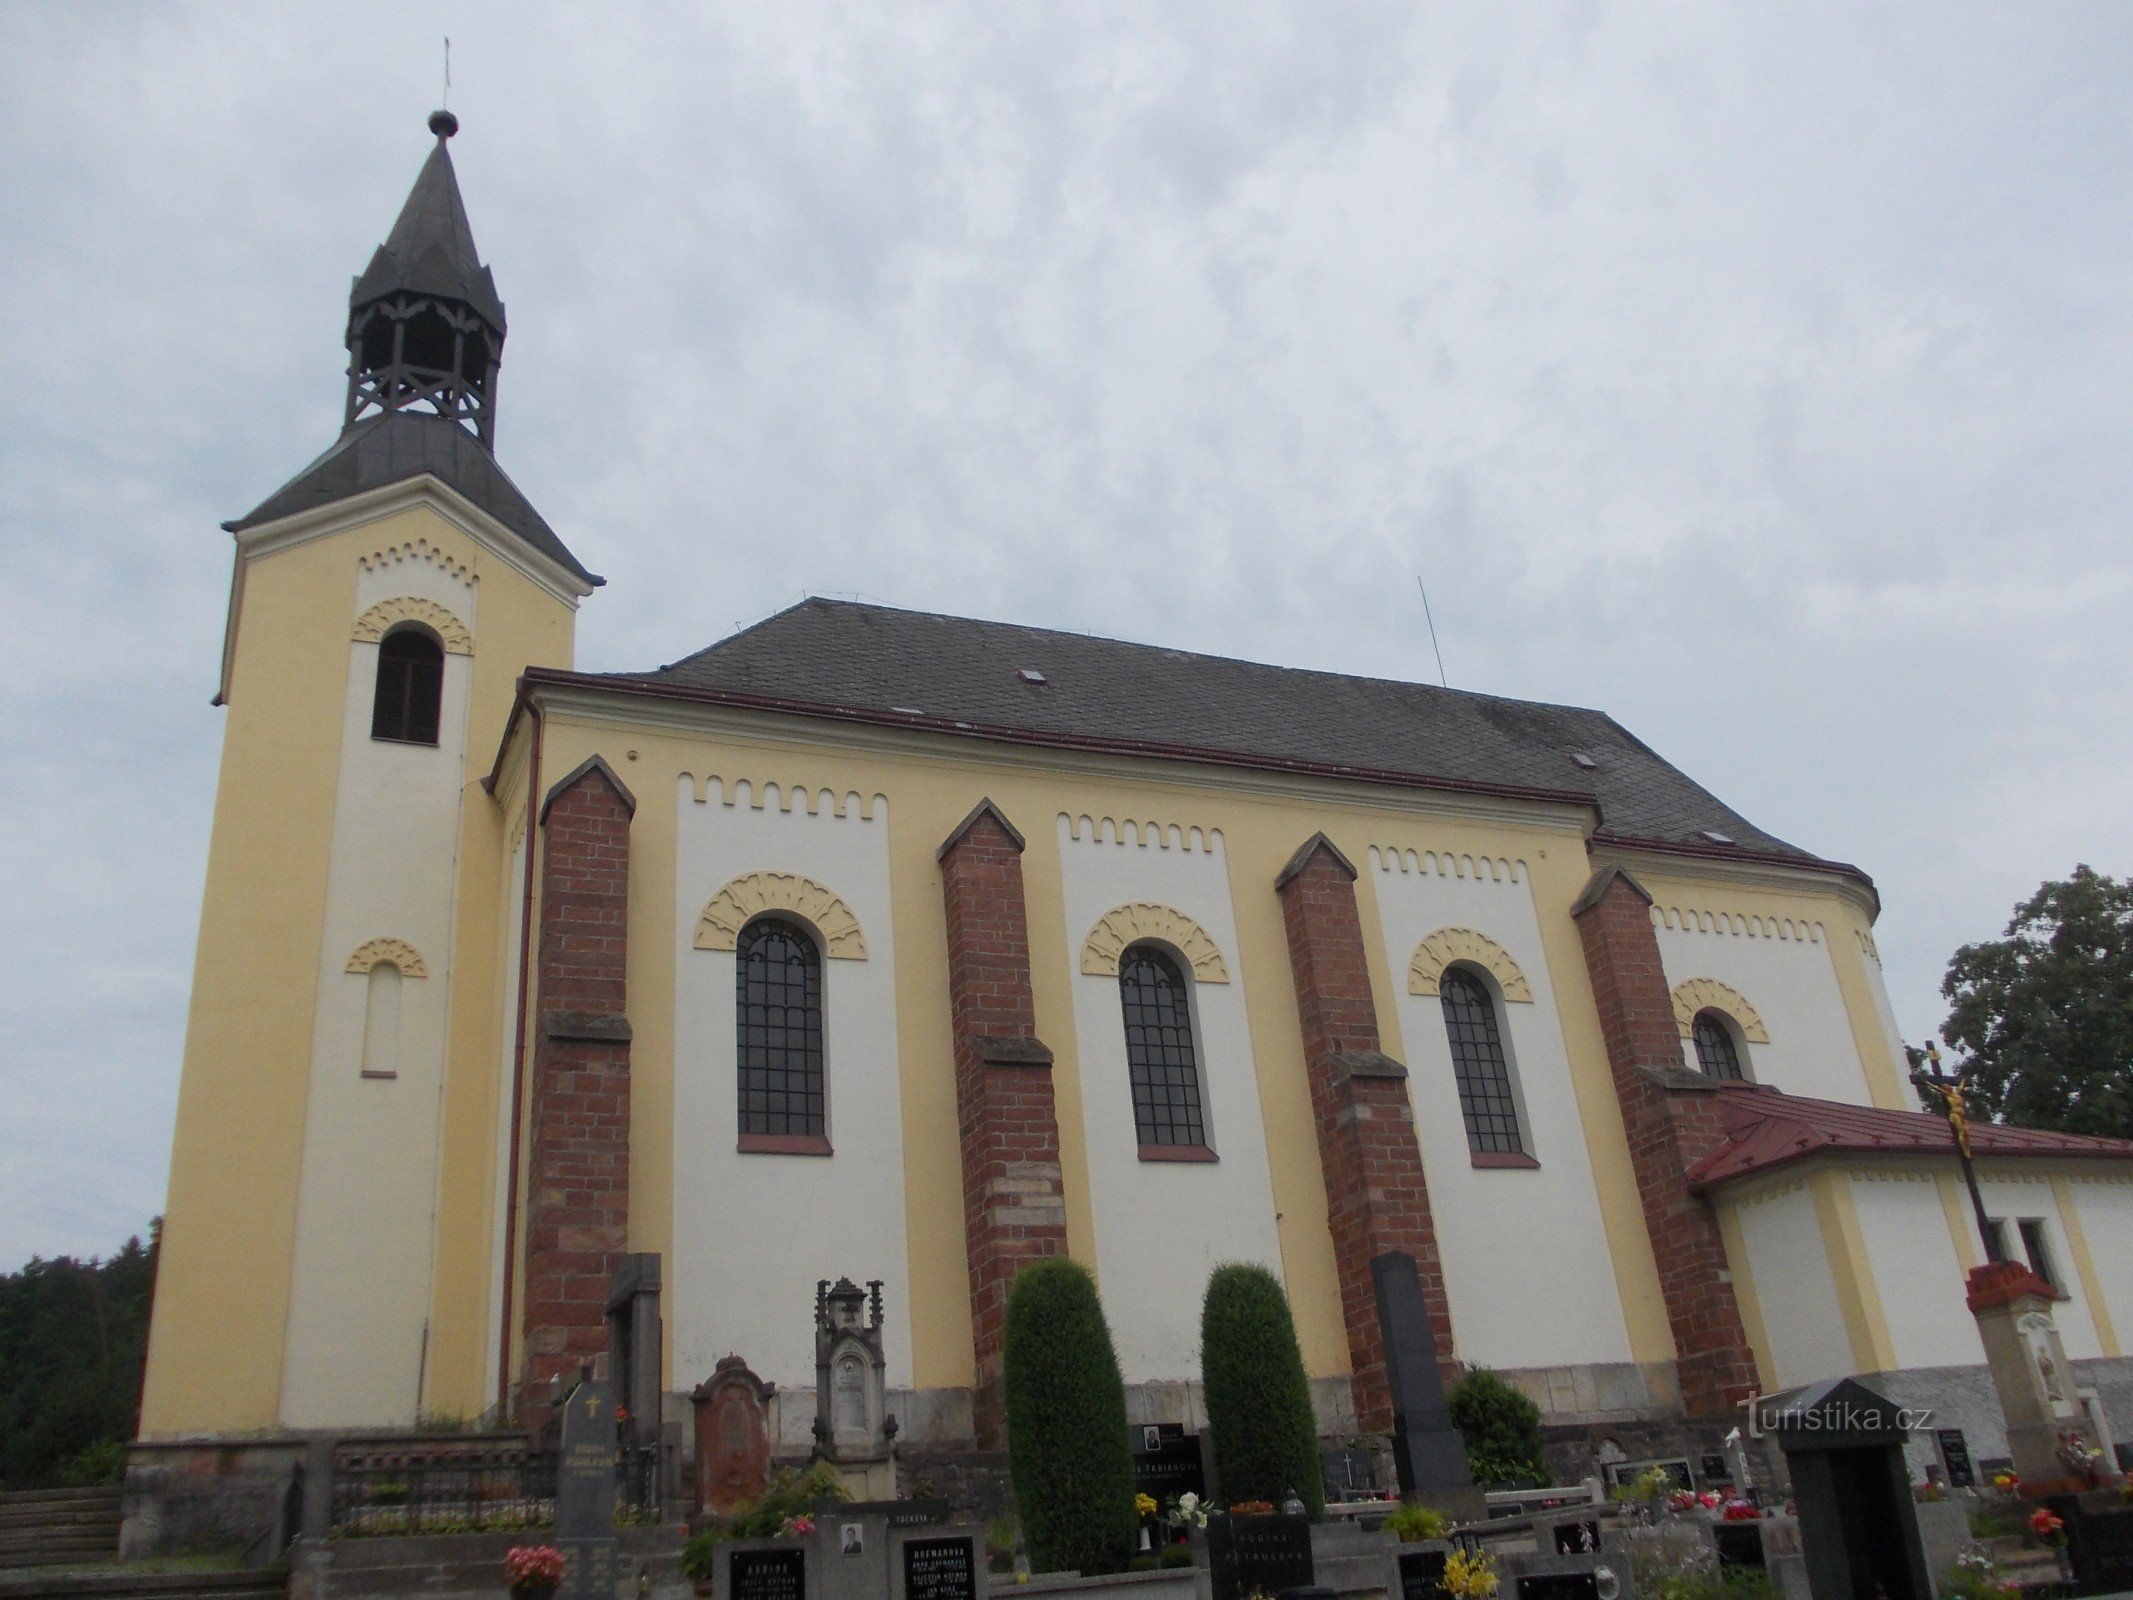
x=1271, y=1553
x=1559, y=1577
x=1955, y=1458
x=732, y=1437
x=852, y=1543
x=585, y=1493
x=937, y=1563
x=763, y=1569
x=1858, y=1522
x=2099, y=1540
x=1167, y=1462
x=854, y=1432
x=1418, y=1570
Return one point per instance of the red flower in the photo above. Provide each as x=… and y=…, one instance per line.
x=2045, y=1525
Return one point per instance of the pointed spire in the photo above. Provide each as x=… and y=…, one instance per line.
x=425, y=325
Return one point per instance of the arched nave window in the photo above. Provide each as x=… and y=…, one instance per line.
x=778, y=1022
x=1479, y=1064
x=1161, y=1059
x=410, y=687
x=1717, y=1051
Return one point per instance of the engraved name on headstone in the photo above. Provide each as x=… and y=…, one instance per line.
x=941, y=1569
x=768, y=1574
x=1421, y=1574
x=1559, y=1586
x=1268, y=1553
x=585, y=1494
x=1955, y=1456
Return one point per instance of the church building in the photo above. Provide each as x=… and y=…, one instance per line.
x=911, y=949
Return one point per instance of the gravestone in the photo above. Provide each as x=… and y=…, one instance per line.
x=1955, y=1456
x=779, y=1574
x=1270, y=1553
x=936, y=1564
x=1167, y=1462
x=1419, y=1574
x=1577, y=1536
x=1740, y=1544
x=633, y=1346
x=732, y=1437
x=1844, y=1444
x=585, y=1494
x=1428, y=1452
x=2099, y=1540
x=1349, y=1473
x=853, y=1429
x=1582, y=1576
x=1715, y=1468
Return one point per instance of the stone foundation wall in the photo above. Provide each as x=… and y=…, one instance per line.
x=210, y=1497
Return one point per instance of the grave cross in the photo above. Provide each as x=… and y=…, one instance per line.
x=1949, y=1090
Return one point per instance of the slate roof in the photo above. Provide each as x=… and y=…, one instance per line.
x=397, y=445
x=1767, y=1129
x=431, y=248
x=886, y=664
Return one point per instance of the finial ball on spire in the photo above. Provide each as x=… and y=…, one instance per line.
x=443, y=124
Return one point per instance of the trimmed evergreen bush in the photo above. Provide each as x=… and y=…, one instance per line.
x=1258, y=1399
x=1501, y=1428
x=1067, y=1447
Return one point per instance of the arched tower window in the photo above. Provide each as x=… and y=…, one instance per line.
x=1479, y=1065
x=778, y=1017
x=410, y=688
x=1716, y=1051
x=1161, y=1062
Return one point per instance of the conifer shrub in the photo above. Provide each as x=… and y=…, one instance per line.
x=1067, y=1446
x=1258, y=1399
x=1501, y=1428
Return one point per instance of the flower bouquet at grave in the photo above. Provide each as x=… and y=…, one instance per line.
x=2082, y=1459
x=1187, y=1512
x=1252, y=1508
x=1739, y=1511
x=1471, y=1575
x=2046, y=1527
x=533, y=1571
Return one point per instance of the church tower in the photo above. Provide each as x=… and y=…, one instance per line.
x=337, y=1119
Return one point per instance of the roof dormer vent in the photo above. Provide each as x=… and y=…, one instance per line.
x=1030, y=675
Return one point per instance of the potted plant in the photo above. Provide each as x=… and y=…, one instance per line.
x=533, y=1571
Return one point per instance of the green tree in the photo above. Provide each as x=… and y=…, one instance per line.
x=2043, y=1018
x=1258, y=1399
x=1501, y=1428
x=1067, y=1447
x=73, y=1343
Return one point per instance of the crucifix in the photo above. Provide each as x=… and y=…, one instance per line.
x=1948, y=1089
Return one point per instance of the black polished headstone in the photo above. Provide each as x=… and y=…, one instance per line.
x=1739, y=1544
x=768, y=1574
x=585, y=1494
x=1421, y=1574
x=1955, y=1456
x=1347, y=1471
x=1167, y=1462
x=941, y=1569
x=2099, y=1545
x=1715, y=1468
x=1271, y=1553
x=1558, y=1586
x=1579, y=1538
x=1427, y=1450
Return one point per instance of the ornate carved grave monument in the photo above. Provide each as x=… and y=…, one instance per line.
x=732, y=1437
x=853, y=1429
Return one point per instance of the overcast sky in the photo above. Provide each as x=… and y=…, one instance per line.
x=1757, y=374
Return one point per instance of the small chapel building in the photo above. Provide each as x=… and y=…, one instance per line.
x=907, y=948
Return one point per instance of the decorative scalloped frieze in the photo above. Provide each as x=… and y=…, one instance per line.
x=1425, y=970
x=1091, y=828
x=373, y=624
x=1448, y=864
x=392, y=555
x=794, y=799
x=389, y=952
x=1690, y=919
x=1867, y=947
x=1708, y=994
x=753, y=893
x=1143, y=919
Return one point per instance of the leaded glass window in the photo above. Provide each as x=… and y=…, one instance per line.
x=1716, y=1052
x=778, y=1011
x=1479, y=1065
x=1160, y=1058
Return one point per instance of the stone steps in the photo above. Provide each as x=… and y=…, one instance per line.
x=57, y=1527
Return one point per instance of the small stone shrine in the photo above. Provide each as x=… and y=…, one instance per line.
x=585, y=1493
x=2035, y=1381
x=1267, y=1553
x=854, y=1432
x=732, y=1437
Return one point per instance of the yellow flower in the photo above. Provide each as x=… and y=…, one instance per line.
x=1471, y=1577
x=1144, y=1505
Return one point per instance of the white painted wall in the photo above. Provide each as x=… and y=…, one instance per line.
x=1915, y=1268
x=2106, y=1210
x=1162, y=1226
x=2014, y=1198
x=1792, y=985
x=1502, y=1231
x=753, y=1233
x=366, y=1198
x=1794, y=1286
